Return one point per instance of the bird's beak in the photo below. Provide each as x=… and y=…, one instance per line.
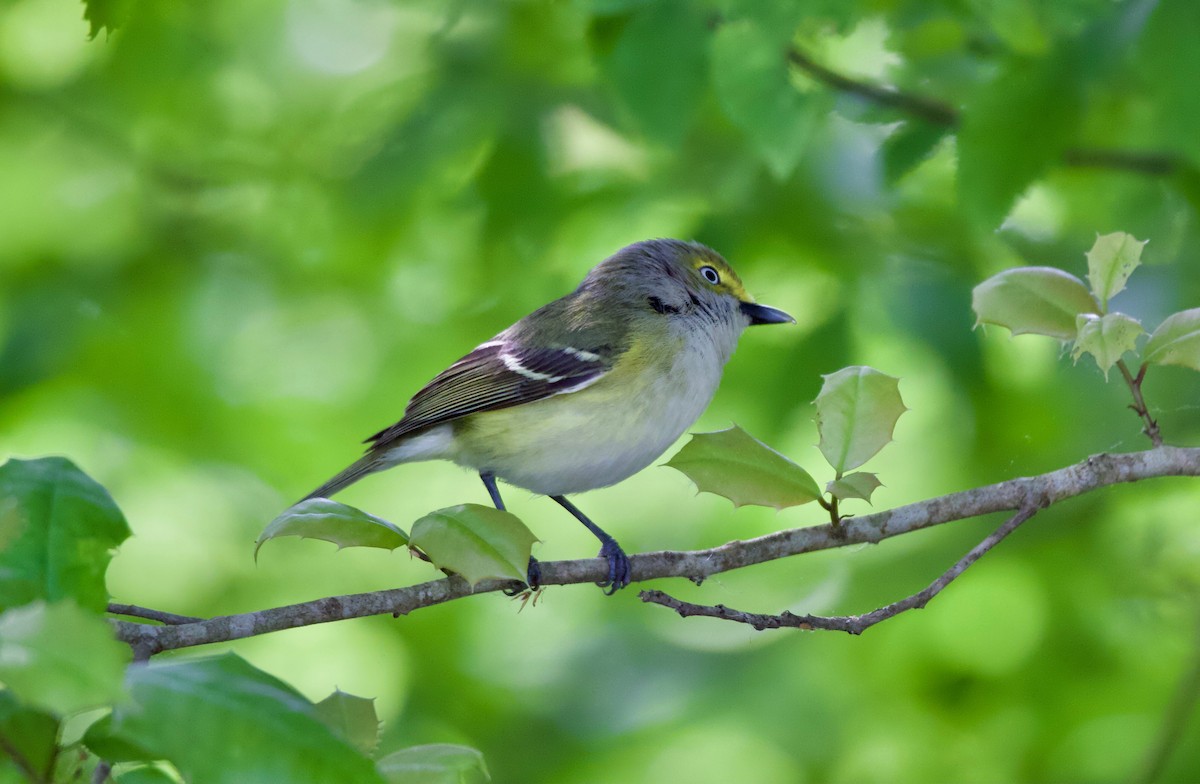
x=761, y=314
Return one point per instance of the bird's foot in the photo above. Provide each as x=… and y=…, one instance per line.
x=533, y=579
x=619, y=570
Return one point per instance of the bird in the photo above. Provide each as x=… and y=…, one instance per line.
x=585, y=391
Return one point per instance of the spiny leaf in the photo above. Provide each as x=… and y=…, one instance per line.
x=857, y=485
x=1106, y=337
x=477, y=542
x=1034, y=300
x=345, y=526
x=436, y=763
x=1111, y=260
x=1176, y=341
x=733, y=464
x=857, y=411
x=352, y=718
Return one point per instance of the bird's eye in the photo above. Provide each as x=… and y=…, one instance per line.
x=711, y=275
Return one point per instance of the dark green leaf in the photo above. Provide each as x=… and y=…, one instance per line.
x=857, y=485
x=57, y=532
x=477, y=542
x=735, y=465
x=908, y=146
x=658, y=67
x=107, y=15
x=1170, y=64
x=438, y=763
x=221, y=721
x=1176, y=341
x=1106, y=337
x=29, y=733
x=345, y=526
x=857, y=410
x=1034, y=300
x=751, y=80
x=352, y=718
x=60, y=658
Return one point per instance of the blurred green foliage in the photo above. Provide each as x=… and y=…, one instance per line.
x=236, y=237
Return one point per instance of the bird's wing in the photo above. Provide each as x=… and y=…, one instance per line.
x=499, y=374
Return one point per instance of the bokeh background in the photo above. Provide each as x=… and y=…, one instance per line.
x=236, y=237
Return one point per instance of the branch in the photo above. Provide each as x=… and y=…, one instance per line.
x=1037, y=492
x=851, y=624
x=133, y=611
x=1139, y=403
x=936, y=112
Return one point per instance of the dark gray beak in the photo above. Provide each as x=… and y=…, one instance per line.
x=761, y=314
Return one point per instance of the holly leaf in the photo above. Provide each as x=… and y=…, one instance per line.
x=857, y=411
x=477, y=542
x=733, y=464
x=437, y=763
x=345, y=526
x=1176, y=341
x=857, y=485
x=60, y=657
x=1111, y=260
x=1033, y=300
x=1106, y=337
x=352, y=718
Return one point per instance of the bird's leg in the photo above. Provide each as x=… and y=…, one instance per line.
x=619, y=570
x=533, y=575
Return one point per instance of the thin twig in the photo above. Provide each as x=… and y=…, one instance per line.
x=936, y=112
x=1040, y=491
x=851, y=624
x=1183, y=704
x=1139, y=403
x=133, y=611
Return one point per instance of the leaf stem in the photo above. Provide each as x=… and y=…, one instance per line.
x=1139, y=403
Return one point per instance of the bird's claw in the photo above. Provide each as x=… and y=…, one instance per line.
x=620, y=573
x=533, y=580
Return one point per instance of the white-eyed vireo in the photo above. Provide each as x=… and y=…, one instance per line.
x=586, y=390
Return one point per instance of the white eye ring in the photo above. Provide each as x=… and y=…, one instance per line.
x=711, y=275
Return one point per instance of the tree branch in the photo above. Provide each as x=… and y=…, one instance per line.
x=936, y=112
x=133, y=611
x=1036, y=492
x=851, y=624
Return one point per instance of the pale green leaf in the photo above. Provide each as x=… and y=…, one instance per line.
x=352, y=718
x=58, y=530
x=1106, y=337
x=752, y=85
x=737, y=466
x=437, y=763
x=1111, y=260
x=1176, y=341
x=345, y=526
x=857, y=411
x=61, y=658
x=477, y=542
x=1034, y=300
x=857, y=485
x=145, y=774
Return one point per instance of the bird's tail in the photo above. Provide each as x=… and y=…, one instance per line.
x=367, y=464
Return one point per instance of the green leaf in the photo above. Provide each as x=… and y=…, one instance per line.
x=352, y=718
x=658, y=67
x=219, y=720
x=1176, y=341
x=1111, y=260
x=1106, y=338
x=1169, y=62
x=106, y=15
x=437, y=763
x=908, y=146
x=857, y=485
x=60, y=658
x=477, y=542
x=30, y=733
x=857, y=411
x=345, y=526
x=735, y=465
x=1033, y=300
x=751, y=80
x=58, y=528
x=145, y=774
